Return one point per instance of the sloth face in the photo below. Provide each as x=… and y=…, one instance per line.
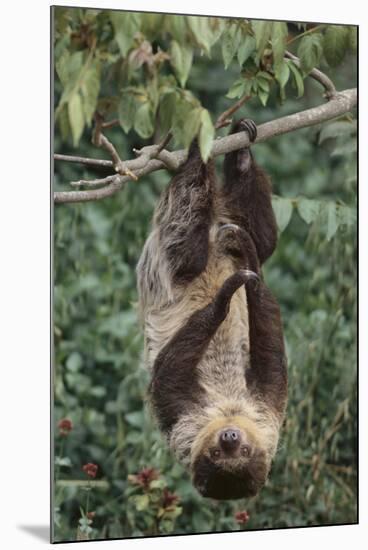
x=229, y=465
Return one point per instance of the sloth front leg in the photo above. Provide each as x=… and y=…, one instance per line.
x=175, y=387
x=184, y=217
x=267, y=376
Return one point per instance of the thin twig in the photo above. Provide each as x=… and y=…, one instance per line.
x=164, y=142
x=316, y=74
x=85, y=160
x=342, y=103
x=110, y=124
x=156, y=151
x=100, y=140
x=224, y=119
x=94, y=183
x=309, y=31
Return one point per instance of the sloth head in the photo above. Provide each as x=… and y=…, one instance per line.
x=227, y=461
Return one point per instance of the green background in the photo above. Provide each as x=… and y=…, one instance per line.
x=99, y=379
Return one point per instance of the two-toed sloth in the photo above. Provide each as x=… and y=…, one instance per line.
x=213, y=333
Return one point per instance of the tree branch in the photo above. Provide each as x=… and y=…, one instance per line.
x=340, y=104
x=94, y=183
x=100, y=163
x=224, y=118
x=318, y=75
x=100, y=140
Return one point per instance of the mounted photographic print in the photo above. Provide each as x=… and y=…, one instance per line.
x=204, y=274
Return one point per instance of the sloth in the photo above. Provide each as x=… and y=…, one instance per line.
x=213, y=332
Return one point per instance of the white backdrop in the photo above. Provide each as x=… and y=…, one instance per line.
x=25, y=285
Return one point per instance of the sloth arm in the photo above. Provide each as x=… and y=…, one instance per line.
x=175, y=385
x=185, y=216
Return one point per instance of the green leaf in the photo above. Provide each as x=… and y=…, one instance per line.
x=126, y=111
x=176, y=26
x=74, y=362
x=336, y=129
x=353, y=38
x=191, y=126
x=217, y=26
x=263, y=83
x=63, y=461
x=84, y=525
x=141, y=502
x=172, y=514
x=90, y=88
x=76, y=117
x=166, y=526
x=63, y=121
x=151, y=24
x=310, y=50
x=332, y=220
x=143, y=123
x=183, y=110
x=282, y=74
x=61, y=67
x=263, y=96
x=335, y=44
x=98, y=391
x=345, y=148
x=201, y=31
x=157, y=484
x=278, y=40
x=262, y=32
x=230, y=43
x=153, y=94
x=69, y=70
x=206, y=135
x=74, y=66
x=135, y=419
x=84, y=521
x=346, y=215
x=181, y=58
x=308, y=209
x=167, y=111
x=125, y=26
x=237, y=89
x=298, y=79
x=283, y=209
x=246, y=48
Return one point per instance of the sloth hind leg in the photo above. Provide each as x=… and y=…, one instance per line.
x=247, y=194
x=236, y=242
x=267, y=376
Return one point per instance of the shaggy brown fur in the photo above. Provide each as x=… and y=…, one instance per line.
x=213, y=333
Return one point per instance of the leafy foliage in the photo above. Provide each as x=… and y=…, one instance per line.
x=132, y=65
x=157, y=72
x=310, y=51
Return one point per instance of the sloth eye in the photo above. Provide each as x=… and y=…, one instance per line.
x=215, y=453
x=245, y=450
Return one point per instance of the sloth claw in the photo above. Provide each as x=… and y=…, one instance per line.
x=251, y=276
x=249, y=126
x=232, y=226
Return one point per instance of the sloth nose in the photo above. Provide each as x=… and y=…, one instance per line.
x=230, y=439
